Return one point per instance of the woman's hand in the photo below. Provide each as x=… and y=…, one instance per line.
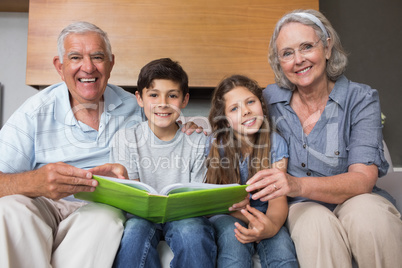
x=271, y=183
x=259, y=227
x=111, y=170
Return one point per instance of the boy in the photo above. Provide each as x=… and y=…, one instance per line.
x=158, y=153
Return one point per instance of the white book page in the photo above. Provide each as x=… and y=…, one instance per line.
x=191, y=186
x=132, y=183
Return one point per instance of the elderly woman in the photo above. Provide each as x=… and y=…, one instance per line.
x=333, y=130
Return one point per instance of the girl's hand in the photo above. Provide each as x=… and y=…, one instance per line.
x=272, y=183
x=111, y=170
x=241, y=204
x=260, y=226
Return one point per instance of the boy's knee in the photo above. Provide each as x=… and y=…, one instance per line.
x=140, y=224
x=192, y=229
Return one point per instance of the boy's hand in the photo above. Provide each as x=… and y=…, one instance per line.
x=190, y=127
x=111, y=170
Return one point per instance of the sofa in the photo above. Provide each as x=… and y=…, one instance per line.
x=392, y=182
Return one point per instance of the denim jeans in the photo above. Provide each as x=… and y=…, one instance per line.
x=277, y=251
x=192, y=241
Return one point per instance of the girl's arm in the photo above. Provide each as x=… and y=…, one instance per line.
x=262, y=226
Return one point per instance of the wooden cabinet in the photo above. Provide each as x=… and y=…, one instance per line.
x=14, y=5
x=210, y=38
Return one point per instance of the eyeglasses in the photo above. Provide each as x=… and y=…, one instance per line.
x=288, y=54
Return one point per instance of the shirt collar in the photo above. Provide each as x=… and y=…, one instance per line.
x=63, y=112
x=281, y=94
x=112, y=99
x=337, y=94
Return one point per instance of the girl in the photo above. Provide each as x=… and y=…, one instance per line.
x=240, y=145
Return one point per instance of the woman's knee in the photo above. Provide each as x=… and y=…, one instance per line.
x=367, y=213
x=310, y=216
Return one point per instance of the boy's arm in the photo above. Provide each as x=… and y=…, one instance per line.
x=190, y=127
x=111, y=170
x=121, y=157
x=198, y=167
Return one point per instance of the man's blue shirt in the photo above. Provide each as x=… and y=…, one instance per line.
x=44, y=130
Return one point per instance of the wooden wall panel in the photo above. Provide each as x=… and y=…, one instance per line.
x=209, y=38
x=14, y=5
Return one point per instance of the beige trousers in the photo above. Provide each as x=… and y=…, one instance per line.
x=39, y=232
x=367, y=228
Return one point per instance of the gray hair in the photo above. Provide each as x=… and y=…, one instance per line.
x=336, y=64
x=82, y=27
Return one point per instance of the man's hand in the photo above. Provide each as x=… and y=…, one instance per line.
x=54, y=181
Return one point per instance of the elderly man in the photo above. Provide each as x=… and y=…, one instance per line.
x=48, y=147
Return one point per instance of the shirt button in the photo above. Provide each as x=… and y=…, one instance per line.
x=308, y=173
x=303, y=164
x=336, y=152
x=304, y=146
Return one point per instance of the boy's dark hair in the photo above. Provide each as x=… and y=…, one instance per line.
x=164, y=68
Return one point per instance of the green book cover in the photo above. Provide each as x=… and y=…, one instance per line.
x=174, y=202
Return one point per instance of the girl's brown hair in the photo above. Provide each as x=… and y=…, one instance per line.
x=225, y=149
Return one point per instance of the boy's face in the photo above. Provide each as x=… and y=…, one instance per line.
x=162, y=103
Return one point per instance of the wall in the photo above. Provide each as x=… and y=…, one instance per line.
x=370, y=31
x=13, y=53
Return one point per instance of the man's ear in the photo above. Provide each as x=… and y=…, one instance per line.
x=185, y=101
x=139, y=99
x=58, y=65
x=112, y=63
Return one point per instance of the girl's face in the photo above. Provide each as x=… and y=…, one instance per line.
x=306, y=69
x=244, y=111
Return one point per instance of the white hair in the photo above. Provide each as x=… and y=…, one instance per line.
x=82, y=27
